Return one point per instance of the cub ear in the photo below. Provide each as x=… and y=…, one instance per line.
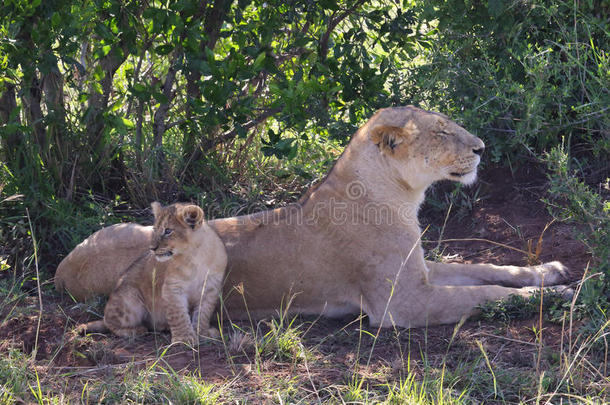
x=388, y=137
x=156, y=208
x=192, y=216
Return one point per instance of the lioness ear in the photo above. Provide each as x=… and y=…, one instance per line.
x=192, y=215
x=388, y=137
x=156, y=208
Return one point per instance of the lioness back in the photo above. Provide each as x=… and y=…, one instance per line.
x=91, y=269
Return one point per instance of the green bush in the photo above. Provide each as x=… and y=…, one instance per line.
x=574, y=201
x=522, y=74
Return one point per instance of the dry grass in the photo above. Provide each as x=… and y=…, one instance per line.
x=300, y=360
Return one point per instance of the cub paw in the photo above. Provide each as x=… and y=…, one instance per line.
x=211, y=333
x=554, y=273
x=204, y=331
x=130, y=333
x=189, y=338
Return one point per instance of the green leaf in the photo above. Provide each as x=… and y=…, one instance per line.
x=128, y=123
x=139, y=87
x=56, y=20
x=267, y=151
x=97, y=87
x=160, y=97
x=273, y=137
x=259, y=61
x=164, y=49
x=241, y=131
x=495, y=7
x=209, y=54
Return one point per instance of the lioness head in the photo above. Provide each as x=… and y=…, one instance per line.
x=173, y=228
x=424, y=147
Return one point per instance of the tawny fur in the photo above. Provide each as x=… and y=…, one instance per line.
x=353, y=242
x=182, y=273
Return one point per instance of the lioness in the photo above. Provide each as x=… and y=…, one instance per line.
x=352, y=242
x=182, y=271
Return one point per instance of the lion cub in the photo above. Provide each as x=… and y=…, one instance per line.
x=182, y=273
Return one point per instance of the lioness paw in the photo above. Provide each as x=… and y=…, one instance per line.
x=553, y=273
x=565, y=291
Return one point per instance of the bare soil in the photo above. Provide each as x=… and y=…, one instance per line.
x=509, y=212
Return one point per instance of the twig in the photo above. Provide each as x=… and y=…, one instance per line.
x=226, y=136
x=540, y=326
x=440, y=237
x=478, y=240
x=523, y=342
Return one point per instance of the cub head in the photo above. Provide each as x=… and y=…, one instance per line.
x=173, y=228
x=424, y=147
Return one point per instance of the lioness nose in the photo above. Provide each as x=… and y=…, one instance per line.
x=479, y=151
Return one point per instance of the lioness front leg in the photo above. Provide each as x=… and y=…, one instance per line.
x=428, y=305
x=176, y=313
x=207, y=303
x=552, y=273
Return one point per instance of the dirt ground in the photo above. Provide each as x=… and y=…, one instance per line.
x=512, y=215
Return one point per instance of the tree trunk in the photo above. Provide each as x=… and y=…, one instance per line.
x=138, y=140
x=32, y=97
x=53, y=88
x=12, y=140
x=159, y=124
x=99, y=102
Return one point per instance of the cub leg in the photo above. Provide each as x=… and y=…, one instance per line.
x=553, y=273
x=176, y=312
x=207, y=303
x=125, y=312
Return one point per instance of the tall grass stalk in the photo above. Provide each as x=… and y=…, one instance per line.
x=40, y=309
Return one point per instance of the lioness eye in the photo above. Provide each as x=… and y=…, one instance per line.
x=167, y=232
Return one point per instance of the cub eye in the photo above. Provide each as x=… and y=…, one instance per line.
x=167, y=232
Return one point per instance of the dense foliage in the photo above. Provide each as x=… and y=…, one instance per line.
x=524, y=74
x=96, y=94
x=138, y=101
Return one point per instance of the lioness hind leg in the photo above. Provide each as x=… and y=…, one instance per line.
x=436, y=305
x=552, y=273
x=124, y=314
